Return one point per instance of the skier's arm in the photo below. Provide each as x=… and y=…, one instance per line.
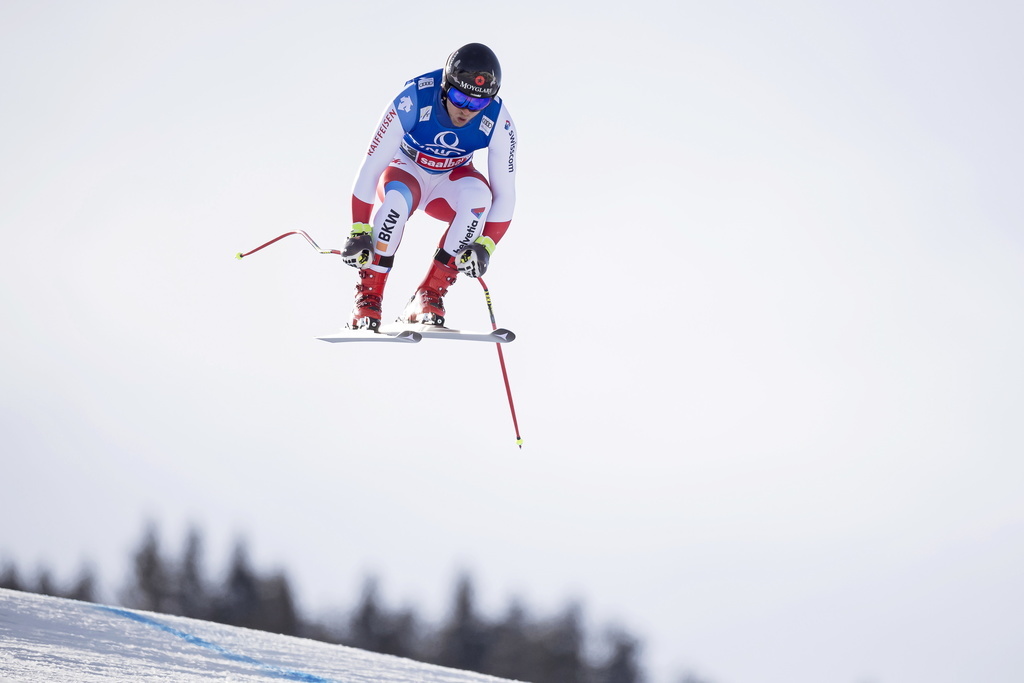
x=387, y=138
x=501, y=174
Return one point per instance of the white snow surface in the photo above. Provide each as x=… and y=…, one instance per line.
x=52, y=640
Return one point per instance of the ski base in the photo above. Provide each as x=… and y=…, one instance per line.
x=402, y=336
x=411, y=334
x=498, y=336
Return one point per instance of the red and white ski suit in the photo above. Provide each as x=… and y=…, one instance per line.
x=419, y=160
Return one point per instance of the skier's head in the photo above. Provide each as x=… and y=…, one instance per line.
x=474, y=71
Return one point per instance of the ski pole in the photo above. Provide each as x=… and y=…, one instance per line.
x=487, y=297
x=501, y=360
x=309, y=239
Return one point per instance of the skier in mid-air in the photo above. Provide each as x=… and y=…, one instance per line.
x=421, y=157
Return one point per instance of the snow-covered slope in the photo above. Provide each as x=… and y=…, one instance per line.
x=50, y=640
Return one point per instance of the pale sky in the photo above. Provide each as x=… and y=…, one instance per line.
x=766, y=269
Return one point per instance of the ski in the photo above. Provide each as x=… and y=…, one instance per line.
x=498, y=336
x=406, y=336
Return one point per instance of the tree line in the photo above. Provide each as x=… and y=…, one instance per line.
x=517, y=645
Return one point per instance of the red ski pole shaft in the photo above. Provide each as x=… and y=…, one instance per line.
x=501, y=361
x=309, y=239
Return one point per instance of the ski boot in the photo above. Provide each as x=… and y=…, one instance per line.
x=369, y=299
x=426, y=307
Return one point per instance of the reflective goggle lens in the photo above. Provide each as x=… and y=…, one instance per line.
x=464, y=101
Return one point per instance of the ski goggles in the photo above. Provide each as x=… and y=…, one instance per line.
x=464, y=101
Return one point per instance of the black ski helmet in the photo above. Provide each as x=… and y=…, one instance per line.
x=474, y=70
